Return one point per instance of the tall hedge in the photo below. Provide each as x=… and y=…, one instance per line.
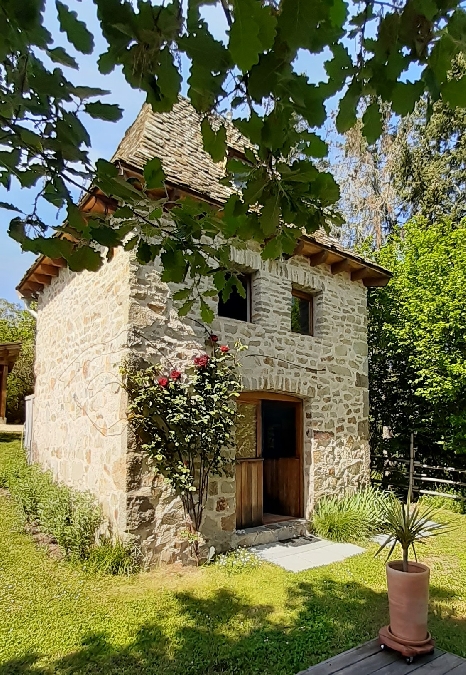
x=417, y=341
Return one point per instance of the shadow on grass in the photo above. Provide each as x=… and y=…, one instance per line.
x=223, y=635
x=207, y=638
x=10, y=436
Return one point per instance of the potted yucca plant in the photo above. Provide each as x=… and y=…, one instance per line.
x=407, y=580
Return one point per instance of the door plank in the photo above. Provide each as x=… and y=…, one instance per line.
x=249, y=490
x=239, y=496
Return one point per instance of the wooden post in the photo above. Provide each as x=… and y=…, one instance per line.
x=411, y=469
x=3, y=382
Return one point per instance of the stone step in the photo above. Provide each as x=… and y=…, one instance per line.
x=268, y=534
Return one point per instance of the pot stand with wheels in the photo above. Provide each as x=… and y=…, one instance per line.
x=407, y=649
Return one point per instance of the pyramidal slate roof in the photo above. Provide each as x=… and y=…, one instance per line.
x=175, y=138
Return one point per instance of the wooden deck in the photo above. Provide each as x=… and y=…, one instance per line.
x=368, y=659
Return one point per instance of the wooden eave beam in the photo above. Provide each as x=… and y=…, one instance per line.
x=360, y=274
x=318, y=258
x=299, y=248
x=32, y=286
x=50, y=270
x=375, y=281
x=58, y=262
x=41, y=278
x=341, y=266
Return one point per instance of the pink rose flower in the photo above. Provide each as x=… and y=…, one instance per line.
x=201, y=361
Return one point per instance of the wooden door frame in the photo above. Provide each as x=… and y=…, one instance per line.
x=259, y=396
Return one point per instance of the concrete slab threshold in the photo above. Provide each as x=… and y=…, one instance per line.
x=382, y=538
x=11, y=428
x=304, y=553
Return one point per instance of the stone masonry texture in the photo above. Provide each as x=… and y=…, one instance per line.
x=88, y=323
x=79, y=427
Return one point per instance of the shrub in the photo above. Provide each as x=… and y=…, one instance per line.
x=116, y=557
x=72, y=517
x=446, y=503
x=28, y=484
x=239, y=560
x=12, y=462
x=351, y=517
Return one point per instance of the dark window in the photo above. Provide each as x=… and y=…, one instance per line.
x=278, y=429
x=237, y=307
x=302, y=313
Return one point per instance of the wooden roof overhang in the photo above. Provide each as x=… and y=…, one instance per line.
x=320, y=253
x=9, y=352
x=44, y=269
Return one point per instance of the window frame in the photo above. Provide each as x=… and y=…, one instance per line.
x=309, y=297
x=246, y=279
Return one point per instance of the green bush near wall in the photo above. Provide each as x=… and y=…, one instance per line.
x=351, y=517
x=71, y=517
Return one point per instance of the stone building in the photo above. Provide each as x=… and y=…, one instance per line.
x=304, y=429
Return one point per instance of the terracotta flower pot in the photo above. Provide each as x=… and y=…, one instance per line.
x=408, y=600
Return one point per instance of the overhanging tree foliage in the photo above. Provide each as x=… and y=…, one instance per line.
x=43, y=114
x=417, y=341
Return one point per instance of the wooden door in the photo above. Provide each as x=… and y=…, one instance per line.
x=282, y=431
x=268, y=480
x=249, y=469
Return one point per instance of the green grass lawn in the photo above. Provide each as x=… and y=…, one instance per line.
x=54, y=618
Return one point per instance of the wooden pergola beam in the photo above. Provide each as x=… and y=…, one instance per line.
x=3, y=381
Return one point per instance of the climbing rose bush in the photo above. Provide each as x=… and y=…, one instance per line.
x=184, y=420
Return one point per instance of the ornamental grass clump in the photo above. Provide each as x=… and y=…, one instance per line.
x=351, y=517
x=113, y=557
x=184, y=420
x=408, y=525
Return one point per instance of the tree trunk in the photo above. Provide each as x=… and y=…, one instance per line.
x=405, y=560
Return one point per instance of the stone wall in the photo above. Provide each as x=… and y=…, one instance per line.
x=328, y=371
x=79, y=428
x=88, y=322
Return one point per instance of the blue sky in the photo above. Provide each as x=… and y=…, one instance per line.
x=104, y=135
